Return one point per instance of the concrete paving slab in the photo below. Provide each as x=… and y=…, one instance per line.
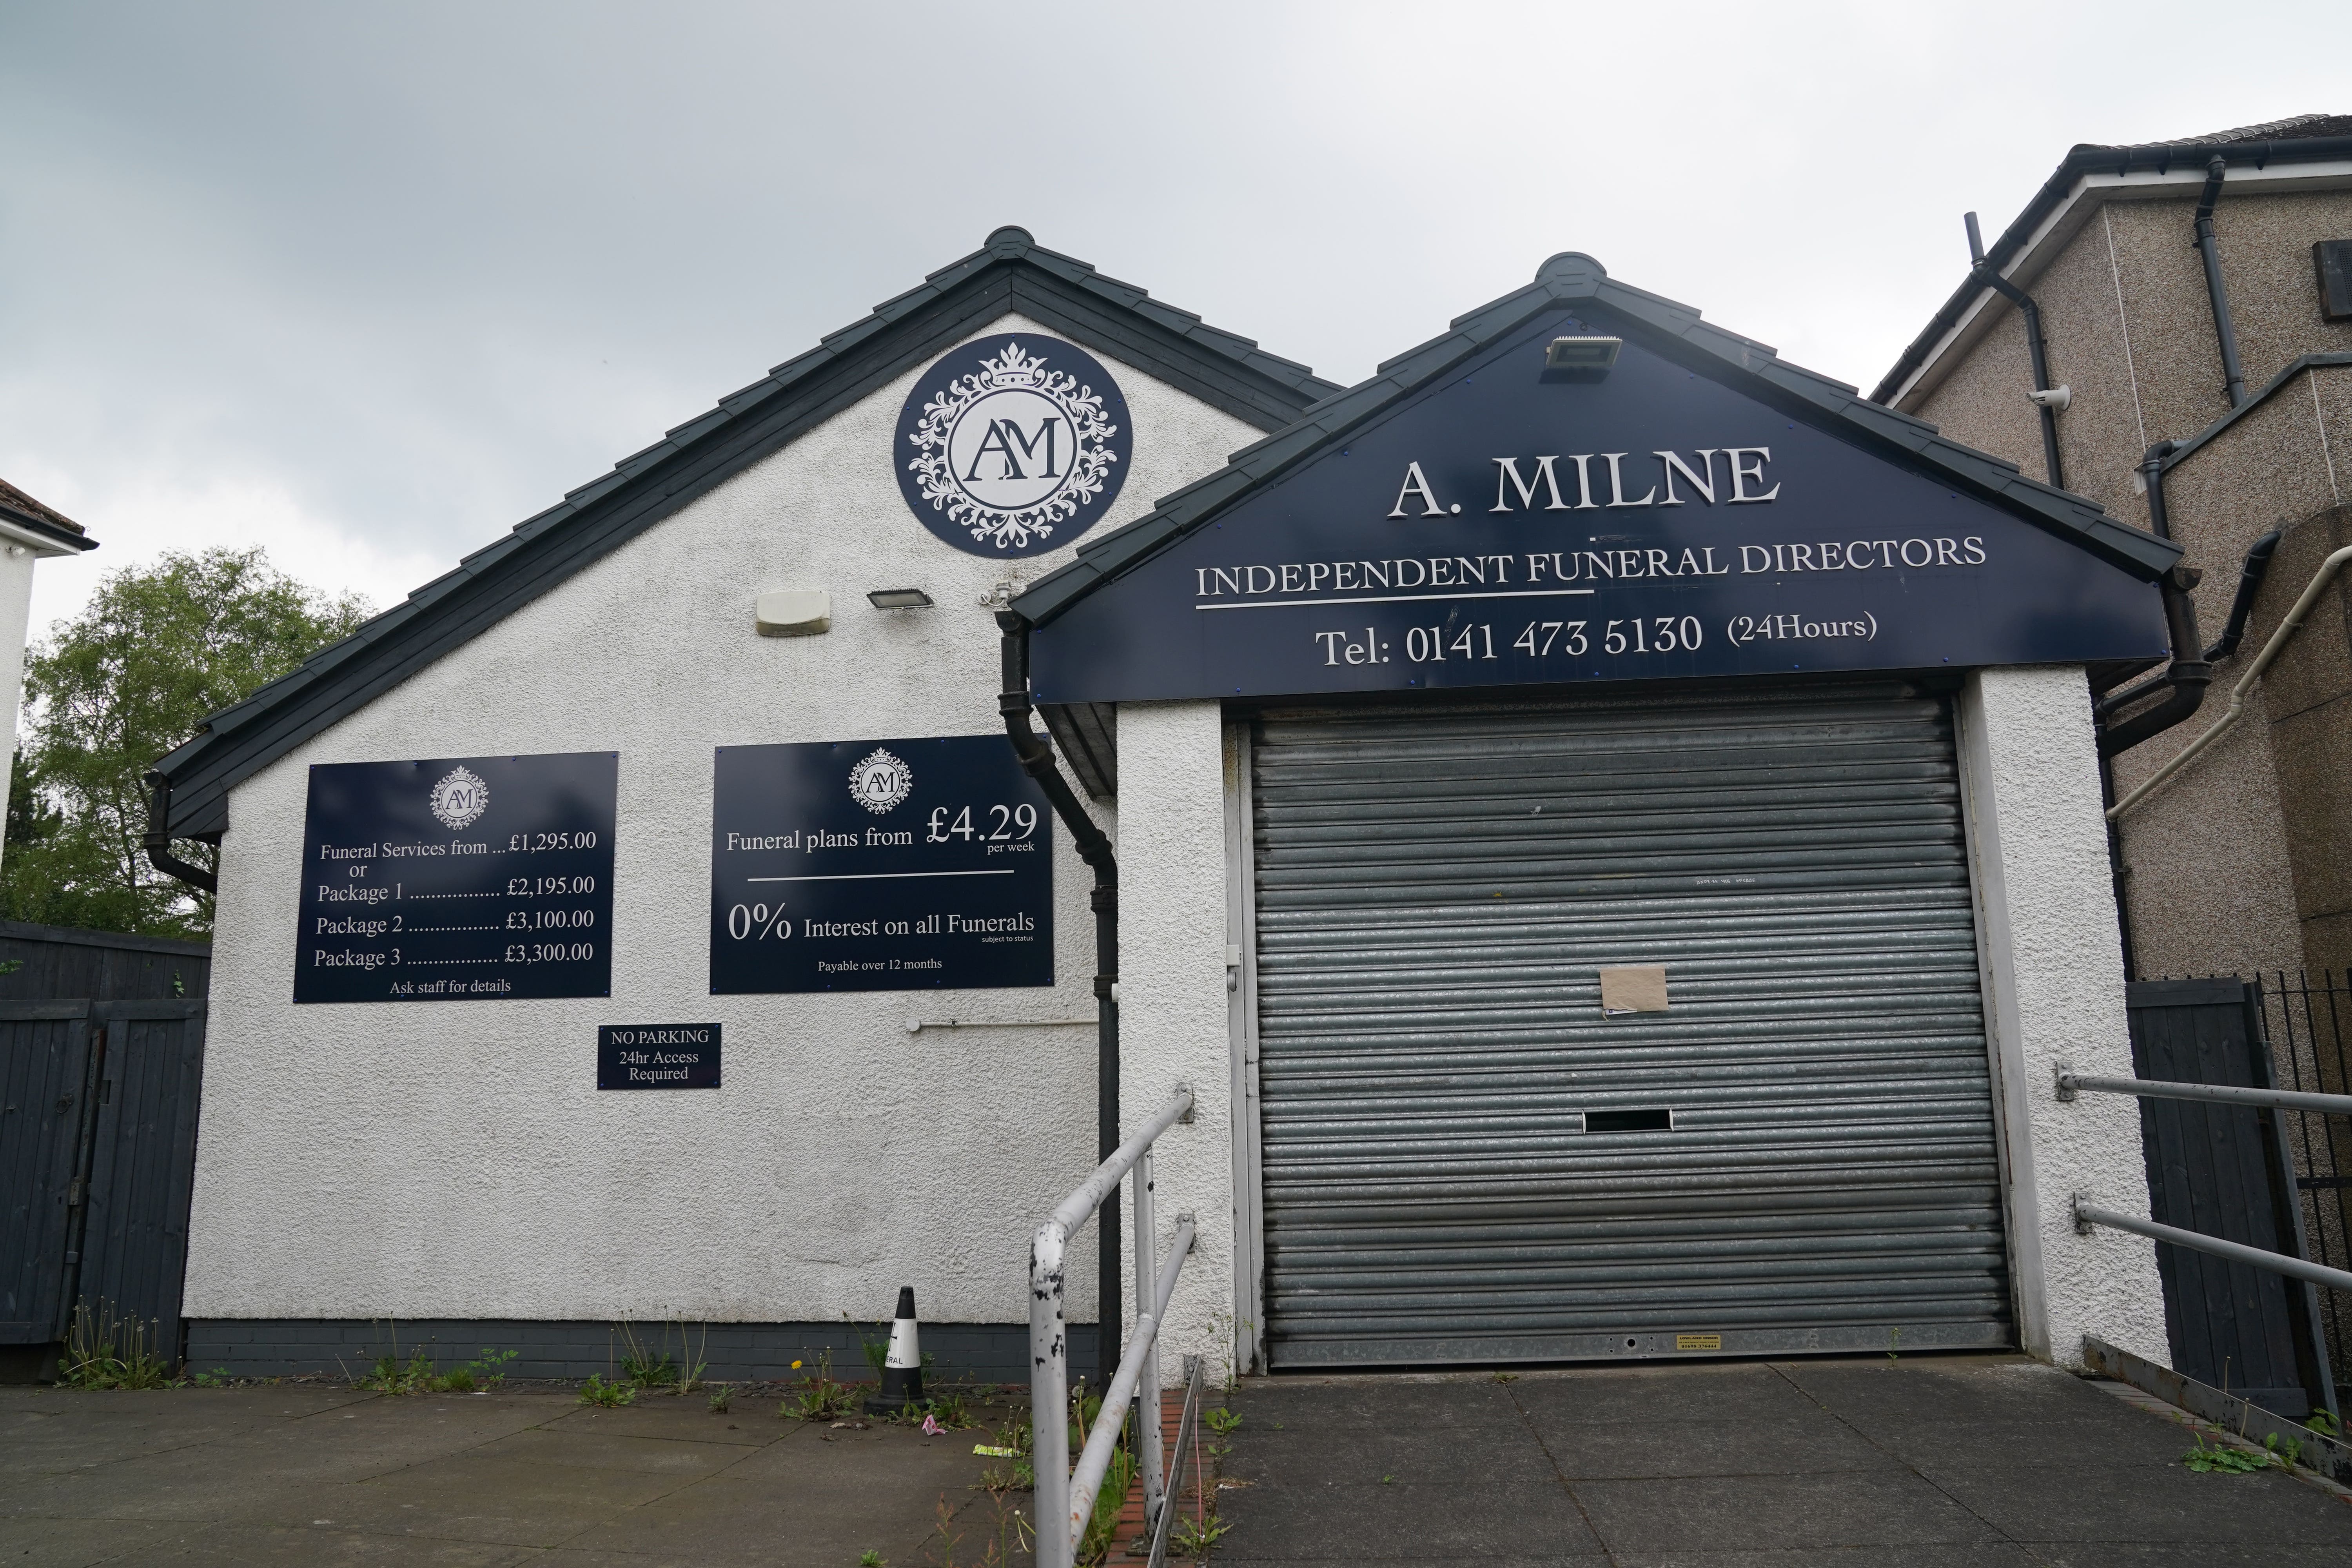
x=1975, y=1555
x=1923, y=1462
x=2084, y=1501
x=27, y=1541
x=505, y=1502
x=1312, y=1519
x=1635, y=1450
x=614, y=1451
x=269, y=1546
x=1371, y=1452
x=1720, y=1513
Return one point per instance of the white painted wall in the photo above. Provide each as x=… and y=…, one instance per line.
x=16, y=559
x=2054, y=994
x=453, y=1159
x=1172, y=1015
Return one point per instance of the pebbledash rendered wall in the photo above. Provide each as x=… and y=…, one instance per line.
x=452, y=1165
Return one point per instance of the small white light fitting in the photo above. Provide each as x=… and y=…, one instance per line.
x=899, y=599
x=794, y=612
x=2058, y=399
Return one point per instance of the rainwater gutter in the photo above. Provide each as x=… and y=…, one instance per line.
x=1094, y=847
x=2326, y=573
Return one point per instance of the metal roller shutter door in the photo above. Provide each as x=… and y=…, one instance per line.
x=1436, y=891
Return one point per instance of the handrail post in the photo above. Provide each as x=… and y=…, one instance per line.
x=1059, y=1491
x=1049, y=1397
x=1147, y=1404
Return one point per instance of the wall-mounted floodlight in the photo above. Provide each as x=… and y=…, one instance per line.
x=1581, y=359
x=899, y=599
x=1583, y=354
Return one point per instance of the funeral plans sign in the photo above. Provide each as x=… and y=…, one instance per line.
x=900, y=865
x=459, y=879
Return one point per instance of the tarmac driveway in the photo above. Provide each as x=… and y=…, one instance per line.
x=310, y=1475
x=1981, y=1461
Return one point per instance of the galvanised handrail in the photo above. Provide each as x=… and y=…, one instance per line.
x=1065, y=1500
x=2069, y=1084
x=2085, y=1216
x=1188, y=1427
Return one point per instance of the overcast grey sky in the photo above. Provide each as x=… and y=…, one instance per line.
x=368, y=284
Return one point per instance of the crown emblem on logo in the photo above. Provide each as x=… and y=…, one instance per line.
x=880, y=781
x=1015, y=368
x=460, y=799
x=1016, y=449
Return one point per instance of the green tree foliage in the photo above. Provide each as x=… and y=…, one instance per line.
x=158, y=649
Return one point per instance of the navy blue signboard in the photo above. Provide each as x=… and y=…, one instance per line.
x=901, y=865
x=1506, y=527
x=1013, y=445
x=461, y=879
x=656, y=1056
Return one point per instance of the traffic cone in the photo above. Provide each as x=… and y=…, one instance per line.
x=902, y=1369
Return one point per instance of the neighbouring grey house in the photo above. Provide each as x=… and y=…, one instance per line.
x=2194, y=302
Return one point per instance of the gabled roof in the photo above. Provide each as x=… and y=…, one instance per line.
x=1011, y=272
x=45, y=522
x=1674, y=329
x=2304, y=138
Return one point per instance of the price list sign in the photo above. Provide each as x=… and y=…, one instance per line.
x=459, y=879
x=906, y=864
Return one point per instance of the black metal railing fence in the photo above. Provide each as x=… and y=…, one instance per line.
x=2307, y=1020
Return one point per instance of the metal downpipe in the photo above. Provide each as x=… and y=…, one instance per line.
x=2034, y=345
x=1094, y=847
x=157, y=839
x=2234, y=376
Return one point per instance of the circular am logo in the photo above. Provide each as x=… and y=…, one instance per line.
x=459, y=798
x=1013, y=445
x=880, y=781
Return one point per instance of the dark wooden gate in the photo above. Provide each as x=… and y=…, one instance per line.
x=101, y=1067
x=2223, y=1171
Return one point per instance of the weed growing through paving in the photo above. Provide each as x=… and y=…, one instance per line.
x=610, y=1395
x=869, y=1558
x=1012, y=1441
x=216, y=1378
x=2218, y=1458
x=818, y=1397
x=949, y=1411
x=104, y=1351
x=722, y=1399
x=2324, y=1423
x=1222, y=1421
x=1194, y=1537
x=1503, y=1377
x=1009, y=1542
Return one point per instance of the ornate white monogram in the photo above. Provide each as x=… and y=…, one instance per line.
x=1013, y=450
x=880, y=781
x=460, y=799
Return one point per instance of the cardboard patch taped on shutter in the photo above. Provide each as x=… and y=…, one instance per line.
x=1634, y=988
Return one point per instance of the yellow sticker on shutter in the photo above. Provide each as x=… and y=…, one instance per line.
x=1698, y=1341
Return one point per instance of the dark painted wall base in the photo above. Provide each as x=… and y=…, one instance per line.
x=737, y=1353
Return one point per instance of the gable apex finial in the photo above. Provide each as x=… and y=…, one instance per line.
x=1010, y=240
x=1570, y=266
